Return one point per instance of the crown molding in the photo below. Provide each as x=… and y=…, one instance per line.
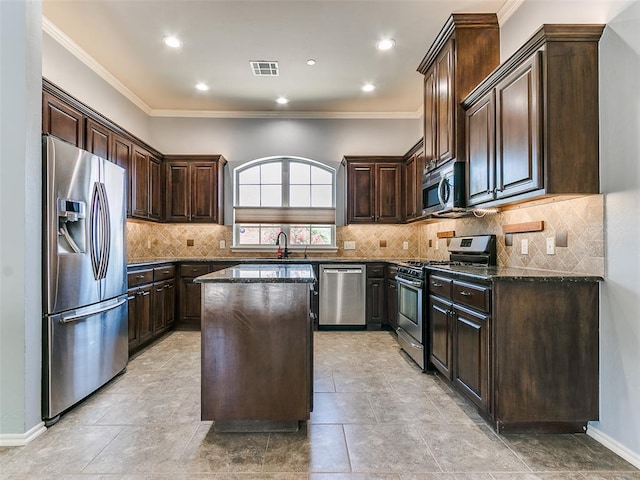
x=59, y=36
x=507, y=10
x=288, y=114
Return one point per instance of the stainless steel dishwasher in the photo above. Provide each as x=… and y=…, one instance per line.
x=342, y=295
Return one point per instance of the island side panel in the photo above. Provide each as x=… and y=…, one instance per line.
x=256, y=351
x=545, y=355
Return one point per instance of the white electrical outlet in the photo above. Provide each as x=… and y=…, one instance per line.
x=349, y=245
x=223, y=244
x=148, y=243
x=524, y=246
x=405, y=245
x=551, y=246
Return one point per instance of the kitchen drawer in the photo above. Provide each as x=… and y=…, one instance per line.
x=440, y=286
x=163, y=273
x=375, y=270
x=139, y=277
x=476, y=296
x=194, y=269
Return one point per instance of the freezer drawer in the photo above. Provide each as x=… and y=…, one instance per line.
x=83, y=350
x=342, y=295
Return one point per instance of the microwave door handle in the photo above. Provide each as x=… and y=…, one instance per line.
x=442, y=184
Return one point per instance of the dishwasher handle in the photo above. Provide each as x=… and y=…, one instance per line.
x=342, y=270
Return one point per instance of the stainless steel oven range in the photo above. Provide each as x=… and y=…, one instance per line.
x=478, y=250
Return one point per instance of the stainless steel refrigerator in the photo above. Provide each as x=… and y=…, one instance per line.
x=85, y=335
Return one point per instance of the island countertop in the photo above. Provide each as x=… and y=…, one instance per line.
x=261, y=273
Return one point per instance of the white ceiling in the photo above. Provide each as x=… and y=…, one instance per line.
x=221, y=37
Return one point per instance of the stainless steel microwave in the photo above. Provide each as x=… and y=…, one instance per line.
x=443, y=191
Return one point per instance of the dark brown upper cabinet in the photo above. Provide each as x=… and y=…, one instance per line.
x=98, y=139
x=194, y=188
x=62, y=120
x=412, y=182
x=465, y=51
x=374, y=189
x=145, y=185
x=532, y=125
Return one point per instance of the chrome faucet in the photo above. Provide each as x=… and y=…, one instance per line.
x=281, y=253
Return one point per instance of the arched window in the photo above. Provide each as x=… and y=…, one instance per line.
x=293, y=195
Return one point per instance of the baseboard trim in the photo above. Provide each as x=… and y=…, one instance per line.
x=22, y=439
x=613, y=445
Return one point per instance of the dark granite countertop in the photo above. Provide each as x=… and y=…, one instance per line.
x=512, y=274
x=266, y=260
x=261, y=273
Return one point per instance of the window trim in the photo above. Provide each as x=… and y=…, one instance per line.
x=286, y=222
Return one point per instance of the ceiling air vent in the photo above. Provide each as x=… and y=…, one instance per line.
x=262, y=68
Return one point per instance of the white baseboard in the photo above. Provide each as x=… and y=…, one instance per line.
x=616, y=447
x=22, y=439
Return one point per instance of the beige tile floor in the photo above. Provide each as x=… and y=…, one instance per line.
x=376, y=417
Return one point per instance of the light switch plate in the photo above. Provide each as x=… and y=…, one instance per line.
x=551, y=246
x=437, y=244
x=524, y=246
x=405, y=245
x=349, y=245
x=223, y=244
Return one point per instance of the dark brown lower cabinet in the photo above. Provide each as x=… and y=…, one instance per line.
x=471, y=354
x=190, y=296
x=151, y=303
x=140, y=325
x=375, y=295
x=163, y=305
x=525, y=352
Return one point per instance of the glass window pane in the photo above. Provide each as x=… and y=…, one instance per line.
x=299, y=196
x=271, y=173
x=321, y=196
x=321, y=176
x=248, y=235
x=299, y=173
x=271, y=195
x=269, y=234
x=299, y=234
x=250, y=175
x=320, y=235
x=249, y=195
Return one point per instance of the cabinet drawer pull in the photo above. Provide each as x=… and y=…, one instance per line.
x=168, y=286
x=464, y=293
x=159, y=289
x=195, y=269
x=144, y=294
x=131, y=297
x=437, y=285
x=166, y=272
x=139, y=277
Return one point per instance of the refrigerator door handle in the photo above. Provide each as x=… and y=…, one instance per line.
x=74, y=317
x=100, y=237
x=94, y=233
x=105, y=230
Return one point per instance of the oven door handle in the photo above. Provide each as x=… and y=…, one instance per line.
x=410, y=283
x=401, y=332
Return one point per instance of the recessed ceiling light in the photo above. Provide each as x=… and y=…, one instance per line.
x=311, y=62
x=386, y=44
x=172, y=41
x=203, y=87
x=282, y=100
x=368, y=87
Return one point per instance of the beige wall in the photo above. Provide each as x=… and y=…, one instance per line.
x=581, y=218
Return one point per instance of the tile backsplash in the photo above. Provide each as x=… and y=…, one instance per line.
x=581, y=218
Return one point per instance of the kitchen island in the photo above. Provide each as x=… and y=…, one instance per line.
x=257, y=347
